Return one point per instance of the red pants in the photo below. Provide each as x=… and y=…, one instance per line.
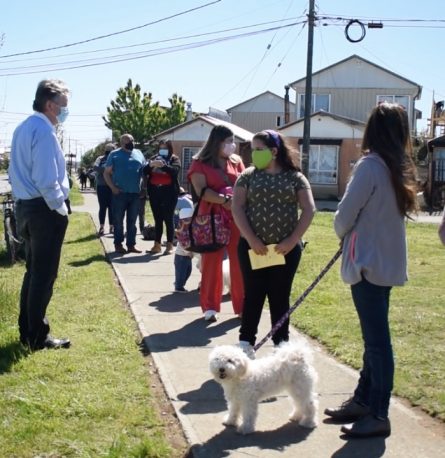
x=212, y=280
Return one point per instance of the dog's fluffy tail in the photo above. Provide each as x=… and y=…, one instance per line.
x=296, y=349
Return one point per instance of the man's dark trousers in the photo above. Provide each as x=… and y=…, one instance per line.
x=43, y=231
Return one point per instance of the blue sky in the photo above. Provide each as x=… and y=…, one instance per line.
x=220, y=75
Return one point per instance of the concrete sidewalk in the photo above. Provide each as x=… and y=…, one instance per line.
x=180, y=341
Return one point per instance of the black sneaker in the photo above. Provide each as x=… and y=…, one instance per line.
x=368, y=426
x=350, y=410
x=181, y=290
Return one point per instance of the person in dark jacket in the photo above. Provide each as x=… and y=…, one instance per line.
x=103, y=191
x=163, y=190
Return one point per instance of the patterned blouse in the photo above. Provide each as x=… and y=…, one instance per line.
x=272, y=207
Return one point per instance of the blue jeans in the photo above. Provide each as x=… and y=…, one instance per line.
x=377, y=375
x=183, y=269
x=125, y=203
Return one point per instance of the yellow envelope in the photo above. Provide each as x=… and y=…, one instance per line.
x=272, y=258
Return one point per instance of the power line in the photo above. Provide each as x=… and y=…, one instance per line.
x=113, y=33
x=149, y=53
x=265, y=53
x=367, y=18
x=135, y=54
x=154, y=42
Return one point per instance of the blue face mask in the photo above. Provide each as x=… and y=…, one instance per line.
x=163, y=152
x=63, y=114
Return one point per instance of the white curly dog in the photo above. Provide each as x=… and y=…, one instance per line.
x=246, y=382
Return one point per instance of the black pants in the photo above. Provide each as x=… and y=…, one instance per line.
x=141, y=213
x=275, y=283
x=163, y=201
x=43, y=231
x=105, y=198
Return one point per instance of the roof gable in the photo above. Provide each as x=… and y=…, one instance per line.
x=355, y=71
x=239, y=133
x=324, y=125
x=264, y=95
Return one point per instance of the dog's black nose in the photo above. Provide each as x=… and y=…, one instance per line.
x=221, y=370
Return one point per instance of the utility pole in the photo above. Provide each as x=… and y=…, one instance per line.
x=308, y=91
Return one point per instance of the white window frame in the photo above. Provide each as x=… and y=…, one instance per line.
x=314, y=96
x=186, y=159
x=316, y=148
x=392, y=99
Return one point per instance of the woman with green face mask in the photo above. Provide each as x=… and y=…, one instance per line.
x=265, y=206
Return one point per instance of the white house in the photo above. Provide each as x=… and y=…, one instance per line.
x=189, y=137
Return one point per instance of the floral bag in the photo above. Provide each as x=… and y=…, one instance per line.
x=204, y=233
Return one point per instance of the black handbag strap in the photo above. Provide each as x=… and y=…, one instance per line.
x=201, y=195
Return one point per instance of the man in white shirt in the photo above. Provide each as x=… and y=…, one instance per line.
x=40, y=187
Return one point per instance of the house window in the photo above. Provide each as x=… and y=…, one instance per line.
x=323, y=163
x=319, y=102
x=278, y=121
x=187, y=154
x=402, y=100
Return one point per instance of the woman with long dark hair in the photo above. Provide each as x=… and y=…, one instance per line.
x=163, y=190
x=215, y=169
x=266, y=201
x=370, y=220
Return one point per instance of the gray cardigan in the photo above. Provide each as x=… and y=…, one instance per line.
x=371, y=226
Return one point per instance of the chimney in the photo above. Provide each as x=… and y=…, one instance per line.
x=189, y=112
x=286, y=105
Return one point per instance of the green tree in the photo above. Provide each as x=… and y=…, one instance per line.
x=92, y=154
x=134, y=112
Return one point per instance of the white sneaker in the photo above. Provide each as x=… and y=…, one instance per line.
x=247, y=349
x=210, y=316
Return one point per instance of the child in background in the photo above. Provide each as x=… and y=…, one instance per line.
x=184, y=201
x=183, y=258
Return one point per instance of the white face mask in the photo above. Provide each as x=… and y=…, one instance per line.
x=229, y=149
x=163, y=152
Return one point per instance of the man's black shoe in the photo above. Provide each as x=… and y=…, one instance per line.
x=350, y=410
x=368, y=426
x=52, y=343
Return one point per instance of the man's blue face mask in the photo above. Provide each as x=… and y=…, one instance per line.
x=63, y=114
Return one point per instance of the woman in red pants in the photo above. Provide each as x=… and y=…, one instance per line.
x=215, y=168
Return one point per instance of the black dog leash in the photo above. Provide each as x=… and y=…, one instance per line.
x=281, y=321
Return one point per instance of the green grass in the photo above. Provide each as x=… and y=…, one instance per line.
x=417, y=315
x=76, y=197
x=93, y=399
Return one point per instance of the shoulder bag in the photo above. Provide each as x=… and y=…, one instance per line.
x=204, y=233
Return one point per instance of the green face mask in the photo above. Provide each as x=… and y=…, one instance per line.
x=261, y=158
